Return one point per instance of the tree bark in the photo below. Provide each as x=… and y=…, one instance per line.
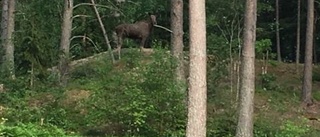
x=177, y=36
x=7, y=28
x=197, y=105
x=65, y=41
x=307, y=79
x=314, y=42
x=298, y=35
x=247, y=81
x=277, y=32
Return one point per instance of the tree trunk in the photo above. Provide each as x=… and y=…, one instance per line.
x=7, y=28
x=277, y=32
x=197, y=105
x=298, y=35
x=177, y=36
x=247, y=82
x=307, y=79
x=314, y=41
x=65, y=41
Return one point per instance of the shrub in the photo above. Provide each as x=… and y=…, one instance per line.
x=268, y=81
x=31, y=130
x=142, y=98
x=289, y=129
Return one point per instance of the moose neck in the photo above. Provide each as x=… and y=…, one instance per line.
x=150, y=23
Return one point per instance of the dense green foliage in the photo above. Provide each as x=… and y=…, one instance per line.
x=31, y=130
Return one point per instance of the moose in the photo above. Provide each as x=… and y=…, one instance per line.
x=140, y=30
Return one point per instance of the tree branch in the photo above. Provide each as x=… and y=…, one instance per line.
x=84, y=37
x=96, y=5
x=76, y=16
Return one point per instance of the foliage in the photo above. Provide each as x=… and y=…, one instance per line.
x=269, y=81
x=218, y=60
x=289, y=129
x=262, y=47
x=139, y=96
x=223, y=125
x=33, y=44
x=31, y=130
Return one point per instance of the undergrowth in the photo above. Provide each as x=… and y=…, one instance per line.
x=139, y=96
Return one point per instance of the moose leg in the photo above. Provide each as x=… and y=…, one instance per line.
x=143, y=41
x=119, y=44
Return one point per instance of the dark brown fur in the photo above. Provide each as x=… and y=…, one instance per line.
x=140, y=30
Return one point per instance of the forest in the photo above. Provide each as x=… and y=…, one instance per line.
x=154, y=68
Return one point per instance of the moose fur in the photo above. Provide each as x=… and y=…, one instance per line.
x=140, y=30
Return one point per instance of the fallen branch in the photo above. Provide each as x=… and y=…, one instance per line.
x=102, y=55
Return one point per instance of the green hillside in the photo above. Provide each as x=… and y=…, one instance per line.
x=138, y=96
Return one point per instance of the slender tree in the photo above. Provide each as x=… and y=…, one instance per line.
x=177, y=36
x=247, y=81
x=65, y=41
x=298, y=35
x=307, y=79
x=103, y=30
x=7, y=28
x=197, y=105
x=277, y=32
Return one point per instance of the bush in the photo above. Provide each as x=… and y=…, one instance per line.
x=268, y=81
x=289, y=129
x=31, y=130
x=140, y=96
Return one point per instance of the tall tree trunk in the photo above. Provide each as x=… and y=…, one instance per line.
x=177, y=36
x=197, y=105
x=277, y=32
x=65, y=41
x=298, y=35
x=314, y=41
x=4, y=21
x=247, y=82
x=307, y=79
x=7, y=28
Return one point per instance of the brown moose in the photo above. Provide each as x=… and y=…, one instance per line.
x=140, y=30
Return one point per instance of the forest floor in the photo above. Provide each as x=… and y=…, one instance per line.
x=275, y=106
x=277, y=101
x=286, y=104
